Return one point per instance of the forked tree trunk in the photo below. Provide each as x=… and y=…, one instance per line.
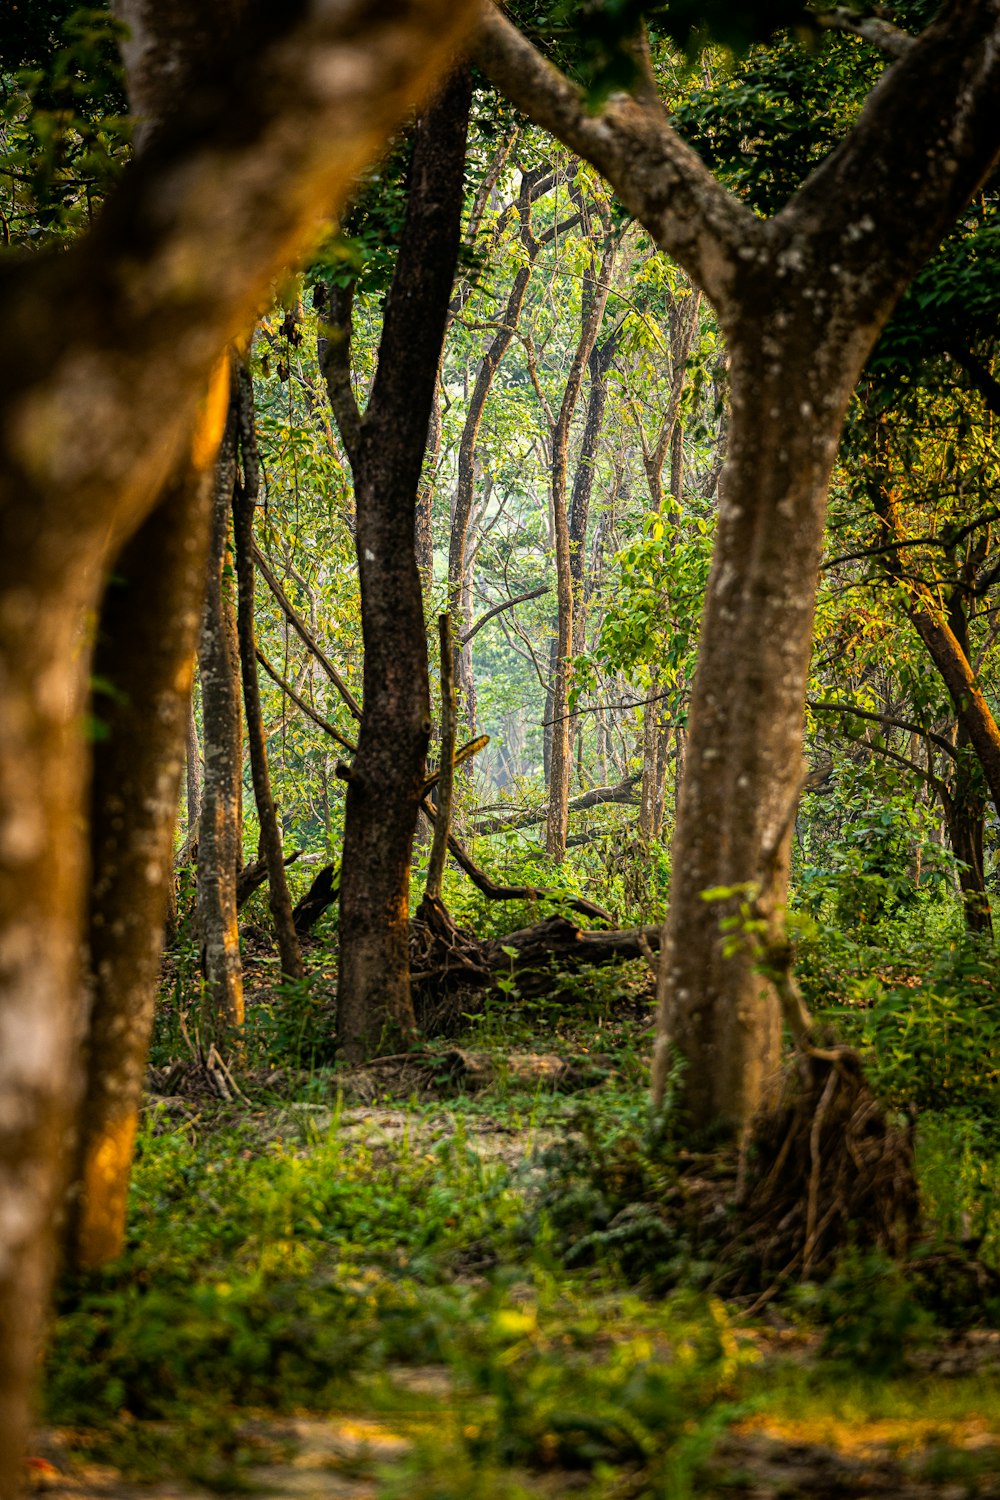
x=801, y=298
x=386, y=780
x=146, y=640
x=245, y=497
x=220, y=833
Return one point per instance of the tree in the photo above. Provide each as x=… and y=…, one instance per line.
x=386, y=448
x=245, y=499
x=109, y=349
x=596, y=286
x=220, y=831
x=801, y=298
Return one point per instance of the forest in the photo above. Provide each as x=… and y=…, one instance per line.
x=499, y=749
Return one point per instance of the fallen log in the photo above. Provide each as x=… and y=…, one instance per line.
x=572, y=946
x=624, y=793
x=495, y=892
x=448, y=965
x=254, y=875
x=472, y=1072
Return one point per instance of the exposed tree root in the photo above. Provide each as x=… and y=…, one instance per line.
x=447, y=968
x=451, y=968
x=824, y=1171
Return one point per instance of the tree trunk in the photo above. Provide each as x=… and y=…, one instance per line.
x=801, y=299
x=146, y=641
x=386, y=780
x=245, y=496
x=465, y=486
x=534, y=185
x=652, y=770
x=965, y=818
x=42, y=865
x=943, y=627
x=744, y=752
x=425, y=495
x=446, y=777
x=220, y=833
x=109, y=347
x=601, y=358
x=192, y=754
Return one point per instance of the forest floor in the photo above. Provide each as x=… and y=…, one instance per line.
x=388, y=1284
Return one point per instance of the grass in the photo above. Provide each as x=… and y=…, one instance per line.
x=286, y=1258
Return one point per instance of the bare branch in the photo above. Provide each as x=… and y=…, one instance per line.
x=881, y=34
x=307, y=709
x=296, y=621
x=624, y=793
x=881, y=718
x=497, y=609
x=496, y=892
x=656, y=175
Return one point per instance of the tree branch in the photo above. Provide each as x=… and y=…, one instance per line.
x=985, y=383
x=878, y=718
x=335, y=304
x=597, y=796
x=496, y=892
x=307, y=709
x=655, y=174
x=232, y=190
x=497, y=609
x=881, y=34
x=302, y=630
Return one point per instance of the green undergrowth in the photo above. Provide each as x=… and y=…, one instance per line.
x=278, y=1274
x=551, y=1257
x=922, y=1002
x=281, y=1261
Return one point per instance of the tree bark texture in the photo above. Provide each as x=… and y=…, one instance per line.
x=245, y=497
x=146, y=641
x=386, y=780
x=801, y=299
x=744, y=753
x=425, y=495
x=964, y=805
x=221, y=830
x=192, y=765
x=599, y=364
x=655, y=740
x=109, y=350
x=143, y=666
